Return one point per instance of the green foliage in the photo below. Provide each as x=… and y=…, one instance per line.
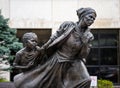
x=9, y=44
x=3, y=80
x=105, y=84
x=4, y=50
x=15, y=46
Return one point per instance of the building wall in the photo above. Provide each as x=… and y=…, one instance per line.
x=51, y=13
x=5, y=8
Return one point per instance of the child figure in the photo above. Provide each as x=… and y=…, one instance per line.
x=25, y=58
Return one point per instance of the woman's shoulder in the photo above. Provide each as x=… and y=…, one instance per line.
x=67, y=23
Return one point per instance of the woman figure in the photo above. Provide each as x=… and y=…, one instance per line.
x=66, y=50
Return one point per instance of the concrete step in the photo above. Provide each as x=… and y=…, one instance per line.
x=113, y=87
x=116, y=86
x=11, y=85
x=6, y=85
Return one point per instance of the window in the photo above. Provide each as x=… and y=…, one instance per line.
x=103, y=59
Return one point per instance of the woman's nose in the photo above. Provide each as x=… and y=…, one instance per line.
x=92, y=19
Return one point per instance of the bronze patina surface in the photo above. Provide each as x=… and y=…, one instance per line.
x=66, y=51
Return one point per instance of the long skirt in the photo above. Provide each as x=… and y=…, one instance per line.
x=55, y=74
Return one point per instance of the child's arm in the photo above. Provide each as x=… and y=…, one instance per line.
x=17, y=64
x=23, y=67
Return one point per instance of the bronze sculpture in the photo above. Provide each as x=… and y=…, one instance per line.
x=66, y=51
x=25, y=57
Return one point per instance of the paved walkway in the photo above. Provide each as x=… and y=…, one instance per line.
x=7, y=85
x=11, y=85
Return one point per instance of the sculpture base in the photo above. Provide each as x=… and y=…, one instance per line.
x=7, y=85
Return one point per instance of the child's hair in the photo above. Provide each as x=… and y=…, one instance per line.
x=28, y=36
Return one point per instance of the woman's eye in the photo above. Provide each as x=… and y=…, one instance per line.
x=32, y=41
x=90, y=16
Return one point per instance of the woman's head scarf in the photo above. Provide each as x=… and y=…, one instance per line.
x=84, y=11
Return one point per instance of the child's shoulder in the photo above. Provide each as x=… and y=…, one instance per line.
x=20, y=52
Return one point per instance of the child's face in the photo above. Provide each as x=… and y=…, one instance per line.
x=32, y=43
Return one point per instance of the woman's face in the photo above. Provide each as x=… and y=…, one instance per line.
x=89, y=19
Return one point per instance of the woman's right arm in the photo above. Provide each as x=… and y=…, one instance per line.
x=58, y=33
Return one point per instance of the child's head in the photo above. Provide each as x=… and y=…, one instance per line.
x=30, y=39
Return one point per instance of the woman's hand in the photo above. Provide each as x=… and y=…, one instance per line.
x=87, y=37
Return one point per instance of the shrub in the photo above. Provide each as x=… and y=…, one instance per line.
x=9, y=43
x=3, y=80
x=105, y=84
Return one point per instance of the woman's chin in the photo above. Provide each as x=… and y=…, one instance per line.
x=89, y=24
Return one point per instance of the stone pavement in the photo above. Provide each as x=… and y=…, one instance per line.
x=11, y=85
x=6, y=85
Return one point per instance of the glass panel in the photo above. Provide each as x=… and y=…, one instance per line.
x=92, y=57
x=95, y=41
x=103, y=55
x=108, y=40
x=109, y=73
x=94, y=71
x=105, y=72
x=108, y=56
